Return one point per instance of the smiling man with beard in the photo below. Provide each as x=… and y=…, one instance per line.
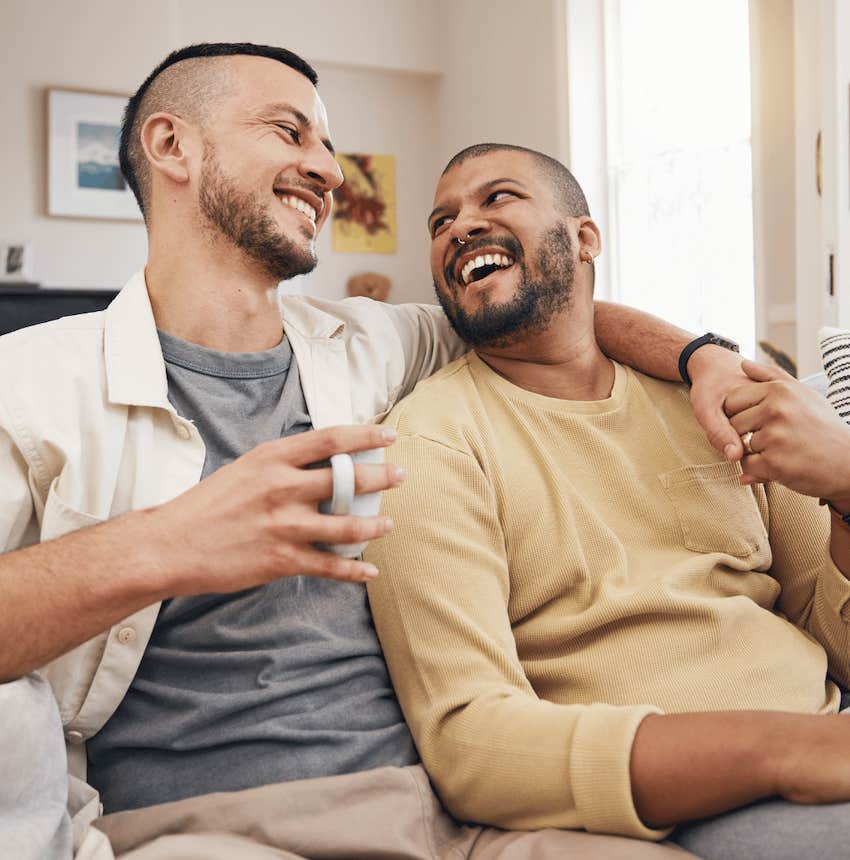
x=592, y=620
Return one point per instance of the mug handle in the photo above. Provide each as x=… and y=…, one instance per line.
x=342, y=467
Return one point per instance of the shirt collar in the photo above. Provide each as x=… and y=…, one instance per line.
x=135, y=368
x=307, y=317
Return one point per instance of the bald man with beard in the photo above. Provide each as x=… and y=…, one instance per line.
x=592, y=619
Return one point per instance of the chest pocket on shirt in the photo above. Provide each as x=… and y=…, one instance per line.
x=717, y=513
x=60, y=518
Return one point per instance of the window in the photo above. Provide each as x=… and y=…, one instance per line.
x=675, y=161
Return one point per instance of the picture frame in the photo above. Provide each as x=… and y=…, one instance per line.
x=16, y=262
x=83, y=176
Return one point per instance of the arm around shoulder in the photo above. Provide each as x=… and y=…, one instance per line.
x=427, y=340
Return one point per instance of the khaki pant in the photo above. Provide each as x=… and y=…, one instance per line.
x=385, y=814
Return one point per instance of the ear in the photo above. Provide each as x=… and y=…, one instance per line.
x=589, y=237
x=164, y=139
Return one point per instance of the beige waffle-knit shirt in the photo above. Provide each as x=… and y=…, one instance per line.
x=560, y=569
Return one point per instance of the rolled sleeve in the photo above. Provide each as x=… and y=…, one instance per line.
x=599, y=770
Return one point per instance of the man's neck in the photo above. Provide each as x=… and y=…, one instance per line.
x=213, y=297
x=555, y=366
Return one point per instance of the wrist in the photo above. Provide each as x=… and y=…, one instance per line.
x=153, y=558
x=710, y=356
x=785, y=751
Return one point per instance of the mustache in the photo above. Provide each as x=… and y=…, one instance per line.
x=507, y=243
x=318, y=190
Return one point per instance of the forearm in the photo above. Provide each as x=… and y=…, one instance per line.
x=689, y=766
x=640, y=340
x=58, y=594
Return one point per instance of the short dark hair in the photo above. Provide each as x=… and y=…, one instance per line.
x=565, y=187
x=130, y=154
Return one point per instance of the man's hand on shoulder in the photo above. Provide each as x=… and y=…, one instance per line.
x=714, y=372
x=797, y=437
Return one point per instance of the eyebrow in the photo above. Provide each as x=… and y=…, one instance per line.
x=283, y=107
x=480, y=190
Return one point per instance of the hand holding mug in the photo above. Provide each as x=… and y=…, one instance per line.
x=345, y=502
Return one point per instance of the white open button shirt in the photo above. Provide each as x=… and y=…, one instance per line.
x=87, y=433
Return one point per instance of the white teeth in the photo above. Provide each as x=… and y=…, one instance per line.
x=299, y=204
x=501, y=260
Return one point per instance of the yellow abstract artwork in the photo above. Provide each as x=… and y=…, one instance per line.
x=364, y=214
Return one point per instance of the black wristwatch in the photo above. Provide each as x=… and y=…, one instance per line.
x=694, y=345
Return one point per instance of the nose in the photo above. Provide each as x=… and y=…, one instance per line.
x=319, y=166
x=466, y=227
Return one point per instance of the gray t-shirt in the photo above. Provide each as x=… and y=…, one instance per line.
x=281, y=682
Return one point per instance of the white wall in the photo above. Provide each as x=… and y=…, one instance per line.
x=821, y=42
x=385, y=114
x=419, y=79
x=380, y=92
x=503, y=77
x=774, y=197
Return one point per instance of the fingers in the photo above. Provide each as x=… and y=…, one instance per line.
x=763, y=372
x=351, y=529
x=720, y=433
x=725, y=438
x=317, y=484
x=744, y=397
x=312, y=527
x=747, y=421
x=313, y=562
x=756, y=470
x=317, y=445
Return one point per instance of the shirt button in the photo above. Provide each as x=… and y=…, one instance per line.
x=74, y=737
x=126, y=635
x=183, y=431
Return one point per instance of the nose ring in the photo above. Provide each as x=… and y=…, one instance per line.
x=460, y=241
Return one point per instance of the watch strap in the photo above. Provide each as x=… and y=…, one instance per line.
x=694, y=345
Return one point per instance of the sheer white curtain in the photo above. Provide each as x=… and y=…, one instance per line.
x=679, y=162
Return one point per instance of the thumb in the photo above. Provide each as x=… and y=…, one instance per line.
x=762, y=372
x=721, y=435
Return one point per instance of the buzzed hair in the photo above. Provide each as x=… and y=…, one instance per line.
x=189, y=84
x=565, y=189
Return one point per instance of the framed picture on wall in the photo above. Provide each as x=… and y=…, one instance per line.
x=83, y=176
x=16, y=262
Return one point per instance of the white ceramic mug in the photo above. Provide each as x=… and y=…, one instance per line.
x=344, y=502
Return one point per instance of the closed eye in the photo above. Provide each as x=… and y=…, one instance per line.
x=498, y=195
x=292, y=132
x=438, y=224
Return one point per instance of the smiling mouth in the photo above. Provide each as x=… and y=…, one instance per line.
x=480, y=267
x=299, y=205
